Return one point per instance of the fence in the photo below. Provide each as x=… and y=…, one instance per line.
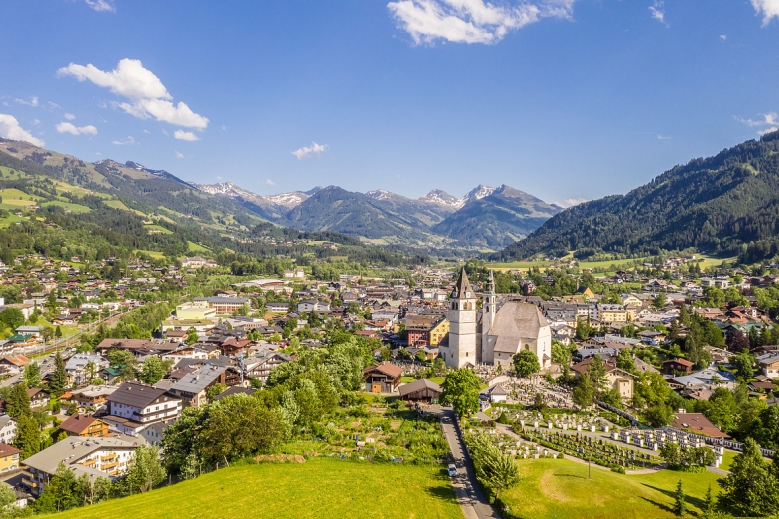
x=620, y=412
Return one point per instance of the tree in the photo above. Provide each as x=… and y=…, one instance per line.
x=584, y=392
x=58, y=332
x=144, y=470
x=238, y=426
x=61, y=493
x=215, y=390
x=153, y=370
x=526, y=363
x=192, y=336
x=597, y=372
x=496, y=470
x=583, y=330
x=92, y=489
x=32, y=375
x=660, y=301
x=744, y=364
x=625, y=361
x=28, y=436
x=680, y=501
x=18, y=402
x=461, y=391
x=750, y=489
x=736, y=341
x=59, y=379
x=709, y=505
x=7, y=497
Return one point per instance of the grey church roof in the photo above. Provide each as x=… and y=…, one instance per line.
x=516, y=321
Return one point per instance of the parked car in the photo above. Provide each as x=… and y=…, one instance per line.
x=452, y=470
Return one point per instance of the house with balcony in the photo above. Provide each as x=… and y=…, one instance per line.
x=135, y=406
x=95, y=457
x=9, y=457
x=84, y=425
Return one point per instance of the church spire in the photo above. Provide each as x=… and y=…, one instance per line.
x=490, y=285
x=462, y=289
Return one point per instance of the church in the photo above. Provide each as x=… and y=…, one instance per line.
x=494, y=334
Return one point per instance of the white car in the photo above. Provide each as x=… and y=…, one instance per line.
x=452, y=470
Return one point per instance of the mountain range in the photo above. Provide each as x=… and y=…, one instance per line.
x=486, y=217
x=726, y=204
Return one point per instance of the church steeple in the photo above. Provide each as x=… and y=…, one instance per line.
x=463, y=289
x=490, y=290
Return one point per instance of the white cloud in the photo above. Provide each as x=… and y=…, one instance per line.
x=102, y=5
x=10, y=129
x=146, y=131
x=149, y=97
x=663, y=137
x=31, y=101
x=36, y=122
x=769, y=123
x=70, y=117
x=658, y=13
x=64, y=127
x=471, y=21
x=570, y=202
x=768, y=8
x=179, y=155
x=270, y=182
x=723, y=37
x=185, y=136
x=306, y=151
x=129, y=141
x=224, y=127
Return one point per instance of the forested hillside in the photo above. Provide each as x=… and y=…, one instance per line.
x=724, y=204
x=61, y=207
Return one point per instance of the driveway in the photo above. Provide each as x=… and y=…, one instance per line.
x=469, y=494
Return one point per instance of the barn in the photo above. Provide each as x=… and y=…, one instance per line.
x=420, y=390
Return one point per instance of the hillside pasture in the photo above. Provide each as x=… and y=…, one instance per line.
x=316, y=489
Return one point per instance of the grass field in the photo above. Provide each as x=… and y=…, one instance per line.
x=317, y=489
x=151, y=253
x=76, y=208
x=560, y=488
x=160, y=228
x=194, y=247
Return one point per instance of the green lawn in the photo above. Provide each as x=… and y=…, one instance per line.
x=151, y=253
x=317, y=489
x=559, y=488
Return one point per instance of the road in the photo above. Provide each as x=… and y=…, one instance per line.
x=469, y=494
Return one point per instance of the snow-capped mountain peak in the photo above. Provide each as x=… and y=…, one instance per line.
x=438, y=196
x=380, y=194
x=480, y=192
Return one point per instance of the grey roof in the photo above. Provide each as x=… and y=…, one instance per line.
x=137, y=395
x=516, y=321
x=418, y=385
x=199, y=380
x=71, y=450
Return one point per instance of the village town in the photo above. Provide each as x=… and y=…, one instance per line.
x=98, y=366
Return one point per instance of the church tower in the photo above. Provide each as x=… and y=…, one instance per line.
x=489, y=309
x=462, y=325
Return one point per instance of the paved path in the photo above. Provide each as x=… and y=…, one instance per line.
x=469, y=494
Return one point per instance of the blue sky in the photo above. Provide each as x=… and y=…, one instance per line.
x=564, y=99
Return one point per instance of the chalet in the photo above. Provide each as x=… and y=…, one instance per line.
x=192, y=388
x=92, y=396
x=38, y=397
x=84, y=425
x=674, y=366
x=260, y=366
x=382, y=378
x=769, y=364
x=616, y=378
x=134, y=406
x=420, y=390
